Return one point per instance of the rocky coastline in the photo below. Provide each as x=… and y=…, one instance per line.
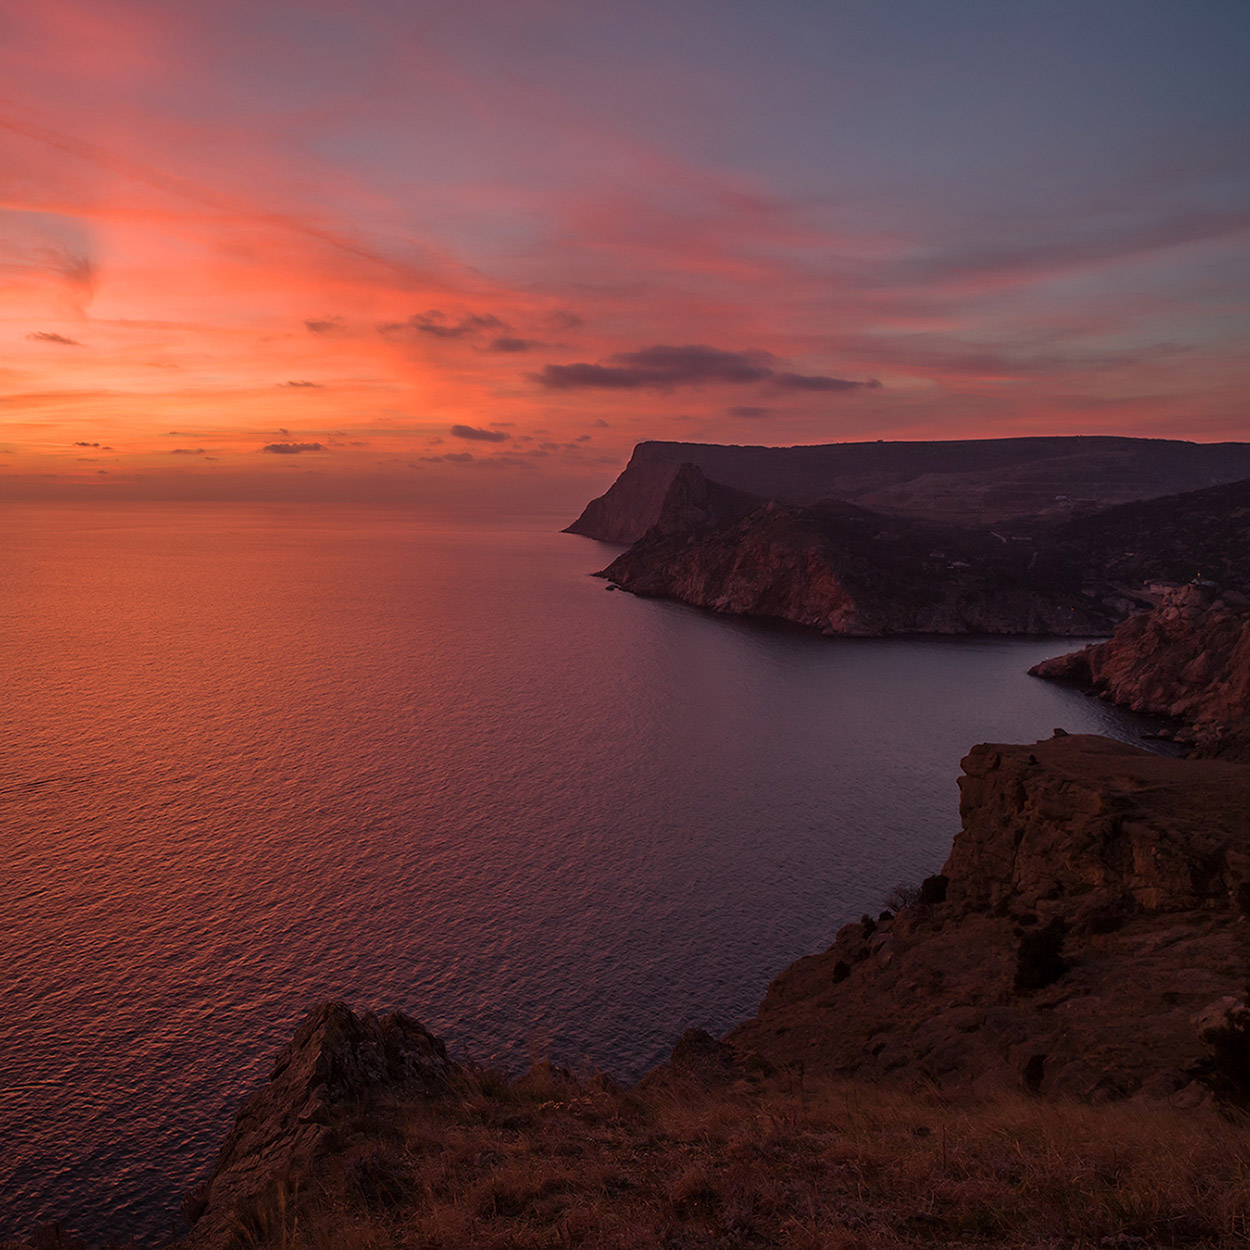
x=845, y=570
x=1085, y=940
x=841, y=540
x=1083, y=949
x=1188, y=660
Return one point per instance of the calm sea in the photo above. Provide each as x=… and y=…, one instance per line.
x=259, y=757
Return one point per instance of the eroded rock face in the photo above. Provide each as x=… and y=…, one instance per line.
x=1136, y=865
x=846, y=570
x=335, y=1061
x=1081, y=822
x=1188, y=659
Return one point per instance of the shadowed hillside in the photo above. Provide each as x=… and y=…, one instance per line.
x=1200, y=534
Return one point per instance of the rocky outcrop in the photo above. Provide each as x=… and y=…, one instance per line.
x=1081, y=824
x=970, y=481
x=1094, y=908
x=336, y=1062
x=1188, y=659
x=846, y=570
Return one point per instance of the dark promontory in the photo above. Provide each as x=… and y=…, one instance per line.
x=971, y=482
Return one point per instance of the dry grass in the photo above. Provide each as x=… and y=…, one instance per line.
x=546, y=1164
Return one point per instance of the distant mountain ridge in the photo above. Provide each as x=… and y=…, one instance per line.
x=974, y=482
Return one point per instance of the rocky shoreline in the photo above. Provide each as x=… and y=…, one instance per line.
x=1188, y=660
x=1086, y=940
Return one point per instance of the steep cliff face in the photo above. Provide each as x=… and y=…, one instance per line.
x=1081, y=824
x=1188, y=659
x=846, y=570
x=1090, y=911
x=632, y=504
x=972, y=481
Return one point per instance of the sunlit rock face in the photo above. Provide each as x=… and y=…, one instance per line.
x=1081, y=823
x=1188, y=659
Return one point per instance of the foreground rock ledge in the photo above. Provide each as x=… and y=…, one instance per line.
x=1091, y=909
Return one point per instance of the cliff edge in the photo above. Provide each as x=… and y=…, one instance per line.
x=1092, y=910
x=962, y=481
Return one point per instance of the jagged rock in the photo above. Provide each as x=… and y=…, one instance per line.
x=1188, y=659
x=697, y=1061
x=699, y=1056
x=336, y=1059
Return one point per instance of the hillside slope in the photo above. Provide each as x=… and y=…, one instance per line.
x=1177, y=538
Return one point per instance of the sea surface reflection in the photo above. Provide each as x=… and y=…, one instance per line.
x=258, y=757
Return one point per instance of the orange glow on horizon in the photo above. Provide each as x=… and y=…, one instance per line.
x=210, y=261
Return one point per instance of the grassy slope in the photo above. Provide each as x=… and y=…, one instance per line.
x=765, y=1162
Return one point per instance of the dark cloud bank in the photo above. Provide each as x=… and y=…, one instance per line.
x=46, y=336
x=663, y=366
x=440, y=326
x=291, y=449
x=474, y=434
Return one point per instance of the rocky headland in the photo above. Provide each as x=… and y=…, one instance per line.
x=1188, y=659
x=836, y=565
x=843, y=569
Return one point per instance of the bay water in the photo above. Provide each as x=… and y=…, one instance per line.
x=256, y=757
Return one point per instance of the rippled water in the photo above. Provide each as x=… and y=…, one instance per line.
x=255, y=758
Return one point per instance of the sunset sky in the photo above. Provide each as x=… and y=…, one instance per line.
x=467, y=254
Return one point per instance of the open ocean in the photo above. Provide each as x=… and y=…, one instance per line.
x=258, y=757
